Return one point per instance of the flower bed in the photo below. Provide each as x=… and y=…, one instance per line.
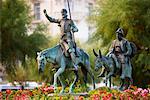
x=133, y=93
x=103, y=93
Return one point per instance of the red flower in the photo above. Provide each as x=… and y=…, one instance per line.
x=30, y=93
x=8, y=91
x=96, y=97
x=17, y=98
x=60, y=97
x=48, y=89
x=144, y=93
x=129, y=98
x=81, y=97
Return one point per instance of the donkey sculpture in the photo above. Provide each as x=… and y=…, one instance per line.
x=55, y=56
x=110, y=68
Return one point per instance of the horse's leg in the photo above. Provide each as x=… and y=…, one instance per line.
x=122, y=84
x=84, y=74
x=128, y=82
x=62, y=84
x=88, y=69
x=74, y=82
x=106, y=81
x=60, y=70
x=131, y=81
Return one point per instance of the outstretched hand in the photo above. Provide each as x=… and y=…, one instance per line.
x=44, y=11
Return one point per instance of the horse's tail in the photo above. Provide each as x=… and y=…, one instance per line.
x=84, y=54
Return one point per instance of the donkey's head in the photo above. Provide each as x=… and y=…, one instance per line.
x=41, y=61
x=99, y=62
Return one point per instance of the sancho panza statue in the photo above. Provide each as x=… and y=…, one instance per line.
x=67, y=28
x=120, y=51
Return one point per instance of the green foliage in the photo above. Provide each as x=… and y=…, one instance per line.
x=134, y=17
x=22, y=74
x=16, y=41
x=14, y=19
x=36, y=41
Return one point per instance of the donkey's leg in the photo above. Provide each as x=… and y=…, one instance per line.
x=106, y=81
x=110, y=74
x=74, y=82
x=110, y=82
x=62, y=83
x=60, y=70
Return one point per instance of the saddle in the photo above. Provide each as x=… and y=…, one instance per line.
x=66, y=52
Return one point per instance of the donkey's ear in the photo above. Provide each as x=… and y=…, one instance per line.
x=95, y=53
x=38, y=53
x=100, y=55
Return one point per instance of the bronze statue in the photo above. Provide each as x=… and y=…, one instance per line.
x=67, y=28
x=120, y=51
x=118, y=60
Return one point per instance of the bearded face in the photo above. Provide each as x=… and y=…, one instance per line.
x=119, y=36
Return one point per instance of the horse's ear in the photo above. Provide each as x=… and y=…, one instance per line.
x=95, y=53
x=100, y=55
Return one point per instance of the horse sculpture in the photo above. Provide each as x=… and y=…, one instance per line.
x=110, y=68
x=55, y=56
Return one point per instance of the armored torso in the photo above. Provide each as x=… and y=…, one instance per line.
x=65, y=28
x=117, y=47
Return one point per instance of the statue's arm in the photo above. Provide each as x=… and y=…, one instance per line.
x=53, y=20
x=73, y=27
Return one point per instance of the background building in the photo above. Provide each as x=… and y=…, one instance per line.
x=80, y=10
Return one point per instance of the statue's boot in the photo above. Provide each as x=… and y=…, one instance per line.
x=75, y=60
x=115, y=61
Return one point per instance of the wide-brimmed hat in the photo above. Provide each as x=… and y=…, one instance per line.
x=120, y=30
x=63, y=10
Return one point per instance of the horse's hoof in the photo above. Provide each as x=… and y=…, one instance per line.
x=62, y=91
x=70, y=92
x=121, y=88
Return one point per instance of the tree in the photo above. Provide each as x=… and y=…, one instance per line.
x=16, y=43
x=134, y=17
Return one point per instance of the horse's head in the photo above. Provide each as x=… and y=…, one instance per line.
x=98, y=61
x=41, y=61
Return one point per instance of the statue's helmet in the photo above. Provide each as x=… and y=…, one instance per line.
x=120, y=30
x=64, y=11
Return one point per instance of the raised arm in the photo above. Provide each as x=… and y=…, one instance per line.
x=53, y=20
